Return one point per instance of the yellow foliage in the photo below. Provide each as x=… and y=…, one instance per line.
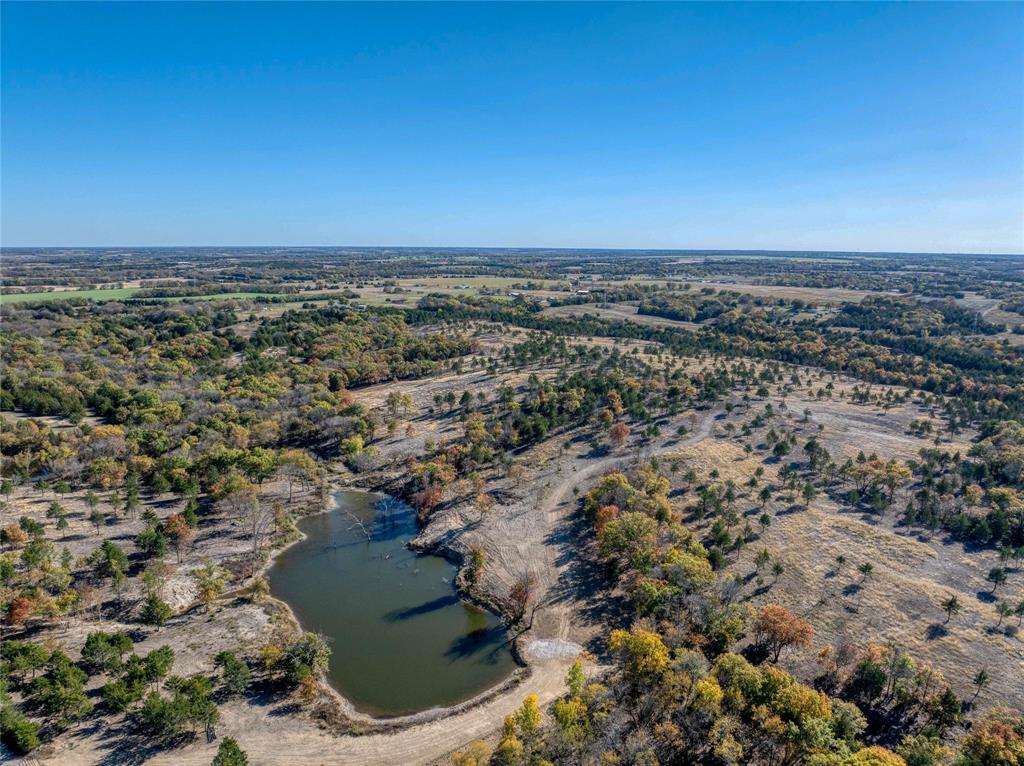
x=708, y=696
x=646, y=654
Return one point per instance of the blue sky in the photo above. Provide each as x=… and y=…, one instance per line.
x=794, y=126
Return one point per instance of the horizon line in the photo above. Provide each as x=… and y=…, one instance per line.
x=707, y=250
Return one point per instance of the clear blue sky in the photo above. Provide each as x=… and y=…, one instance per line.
x=850, y=126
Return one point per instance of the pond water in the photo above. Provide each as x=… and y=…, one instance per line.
x=401, y=639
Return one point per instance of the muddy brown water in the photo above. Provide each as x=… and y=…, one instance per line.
x=401, y=639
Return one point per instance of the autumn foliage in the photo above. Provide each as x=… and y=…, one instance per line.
x=777, y=628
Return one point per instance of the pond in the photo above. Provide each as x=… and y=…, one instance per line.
x=401, y=639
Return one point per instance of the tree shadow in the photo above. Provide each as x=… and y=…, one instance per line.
x=584, y=579
x=132, y=747
x=442, y=602
x=935, y=631
x=759, y=592
x=490, y=640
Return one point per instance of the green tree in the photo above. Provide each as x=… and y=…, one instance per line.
x=97, y=518
x=305, y=657
x=477, y=562
x=951, y=606
x=21, y=658
x=981, y=679
x=60, y=693
x=104, y=652
x=210, y=581
x=229, y=754
x=923, y=750
x=17, y=732
x=158, y=663
x=119, y=695
x=996, y=576
x=235, y=673
x=1004, y=610
x=109, y=560
x=155, y=611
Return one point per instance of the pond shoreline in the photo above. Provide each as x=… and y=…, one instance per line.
x=335, y=712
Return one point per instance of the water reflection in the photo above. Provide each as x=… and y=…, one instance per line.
x=402, y=641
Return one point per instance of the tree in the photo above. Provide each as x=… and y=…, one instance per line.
x=23, y=657
x=157, y=664
x=997, y=740
x=60, y=693
x=97, y=518
x=13, y=536
x=152, y=541
x=259, y=588
x=258, y=521
x=809, y=492
x=777, y=628
x=308, y=656
x=520, y=594
x=105, y=651
x=161, y=717
x=109, y=560
x=477, y=562
x=996, y=576
x=981, y=679
x=923, y=750
x=1004, y=610
x=484, y=503
x=131, y=494
x=575, y=679
x=510, y=747
x=762, y=558
x=17, y=732
x=120, y=696
x=528, y=717
x=296, y=465
x=230, y=754
x=155, y=611
x=644, y=655
x=619, y=433
x=210, y=582
x=20, y=610
x=951, y=606
x=38, y=554
x=631, y=539
x=234, y=672
x=476, y=754
x=178, y=532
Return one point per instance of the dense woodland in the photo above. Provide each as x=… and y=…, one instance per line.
x=212, y=402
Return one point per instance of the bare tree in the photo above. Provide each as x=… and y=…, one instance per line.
x=259, y=522
x=520, y=596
